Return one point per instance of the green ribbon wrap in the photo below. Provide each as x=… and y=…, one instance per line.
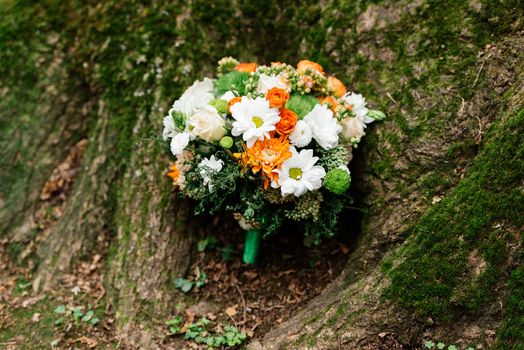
x=252, y=247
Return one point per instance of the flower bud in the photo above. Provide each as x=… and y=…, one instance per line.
x=226, y=142
x=220, y=105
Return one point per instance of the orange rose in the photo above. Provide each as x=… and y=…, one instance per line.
x=304, y=65
x=288, y=120
x=232, y=102
x=329, y=100
x=246, y=67
x=336, y=86
x=277, y=97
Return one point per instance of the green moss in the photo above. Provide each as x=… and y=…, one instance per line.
x=510, y=335
x=40, y=333
x=435, y=261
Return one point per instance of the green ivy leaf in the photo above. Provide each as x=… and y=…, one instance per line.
x=174, y=329
x=60, y=309
x=175, y=321
x=89, y=315
x=441, y=345
x=77, y=314
x=94, y=321
x=183, y=284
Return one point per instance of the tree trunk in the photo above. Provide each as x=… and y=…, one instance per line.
x=450, y=80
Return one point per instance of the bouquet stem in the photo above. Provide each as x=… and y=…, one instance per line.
x=252, y=246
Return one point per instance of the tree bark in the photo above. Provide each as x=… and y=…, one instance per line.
x=108, y=73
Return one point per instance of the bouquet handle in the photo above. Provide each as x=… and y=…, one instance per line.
x=252, y=246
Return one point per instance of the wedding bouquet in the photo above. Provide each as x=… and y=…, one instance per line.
x=269, y=144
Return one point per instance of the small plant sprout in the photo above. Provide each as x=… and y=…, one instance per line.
x=198, y=280
x=429, y=344
x=201, y=333
x=174, y=324
x=75, y=314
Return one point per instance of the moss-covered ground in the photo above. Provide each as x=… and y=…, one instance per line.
x=108, y=71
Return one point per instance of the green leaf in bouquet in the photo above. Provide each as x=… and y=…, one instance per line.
x=179, y=119
x=376, y=115
x=232, y=81
x=301, y=104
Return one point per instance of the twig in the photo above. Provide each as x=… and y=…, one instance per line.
x=480, y=70
x=479, y=139
x=391, y=98
x=462, y=105
x=232, y=319
x=243, y=303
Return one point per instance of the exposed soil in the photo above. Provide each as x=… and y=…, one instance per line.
x=287, y=275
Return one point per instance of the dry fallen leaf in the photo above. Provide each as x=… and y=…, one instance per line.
x=231, y=311
x=36, y=317
x=89, y=342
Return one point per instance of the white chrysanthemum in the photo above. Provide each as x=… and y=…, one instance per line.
x=254, y=119
x=197, y=95
x=207, y=165
x=358, y=106
x=228, y=96
x=353, y=128
x=179, y=142
x=301, y=135
x=207, y=123
x=299, y=174
x=324, y=126
x=169, y=127
x=267, y=82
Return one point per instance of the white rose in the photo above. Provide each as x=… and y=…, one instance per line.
x=179, y=142
x=324, y=126
x=267, y=82
x=207, y=124
x=197, y=95
x=353, y=128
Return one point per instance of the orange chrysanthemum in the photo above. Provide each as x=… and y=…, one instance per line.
x=335, y=85
x=305, y=65
x=266, y=156
x=174, y=174
x=247, y=67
